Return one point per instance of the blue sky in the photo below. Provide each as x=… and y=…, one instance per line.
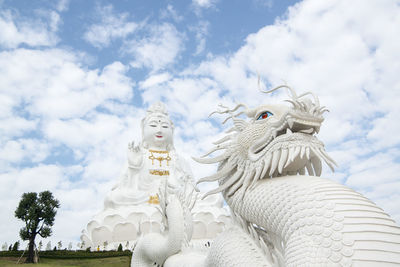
x=77, y=76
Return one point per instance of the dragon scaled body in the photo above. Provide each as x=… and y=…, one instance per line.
x=287, y=215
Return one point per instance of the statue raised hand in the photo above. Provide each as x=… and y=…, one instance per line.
x=135, y=157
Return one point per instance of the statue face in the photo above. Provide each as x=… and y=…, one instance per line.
x=157, y=132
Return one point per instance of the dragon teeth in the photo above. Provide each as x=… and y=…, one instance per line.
x=296, y=152
x=283, y=159
x=291, y=152
x=308, y=153
x=302, y=151
x=275, y=159
x=276, y=163
x=309, y=169
x=290, y=156
x=289, y=160
x=267, y=163
x=290, y=122
x=316, y=163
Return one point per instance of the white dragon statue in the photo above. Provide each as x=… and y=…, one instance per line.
x=285, y=217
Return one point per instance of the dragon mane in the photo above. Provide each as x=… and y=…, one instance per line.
x=274, y=141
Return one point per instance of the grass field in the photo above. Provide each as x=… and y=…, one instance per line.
x=123, y=261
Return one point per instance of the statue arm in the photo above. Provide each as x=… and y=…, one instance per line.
x=134, y=165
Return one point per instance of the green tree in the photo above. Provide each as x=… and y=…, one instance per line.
x=119, y=247
x=16, y=246
x=38, y=213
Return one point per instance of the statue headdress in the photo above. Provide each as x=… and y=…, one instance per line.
x=158, y=107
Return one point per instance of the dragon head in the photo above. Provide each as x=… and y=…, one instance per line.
x=274, y=141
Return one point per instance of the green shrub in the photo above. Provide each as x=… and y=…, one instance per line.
x=62, y=254
x=11, y=253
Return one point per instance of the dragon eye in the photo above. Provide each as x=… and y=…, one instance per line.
x=264, y=115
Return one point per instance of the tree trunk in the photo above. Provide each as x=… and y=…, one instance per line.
x=31, y=252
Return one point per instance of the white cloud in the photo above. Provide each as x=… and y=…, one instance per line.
x=170, y=12
x=112, y=26
x=192, y=97
x=343, y=129
x=263, y=3
x=40, y=178
x=83, y=134
x=55, y=21
x=155, y=79
x=383, y=133
x=158, y=50
x=198, y=6
x=15, y=30
x=201, y=32
x=62, y=5
x=52, y=83
x=6, y=105
x=204, y=3
x=381, y=171
x=15, y=151
x=15, y=126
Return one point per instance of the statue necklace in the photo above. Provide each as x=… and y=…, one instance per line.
x=160, y=158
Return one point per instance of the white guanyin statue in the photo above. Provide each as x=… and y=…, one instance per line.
x=149, y=163
x=132, y=209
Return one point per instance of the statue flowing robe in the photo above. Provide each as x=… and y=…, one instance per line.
x=140, y=184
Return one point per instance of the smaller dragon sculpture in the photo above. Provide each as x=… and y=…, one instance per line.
x=155, y=249
x=286, y=214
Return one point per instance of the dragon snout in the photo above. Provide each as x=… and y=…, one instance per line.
x=293, y=124
x=306, y=126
